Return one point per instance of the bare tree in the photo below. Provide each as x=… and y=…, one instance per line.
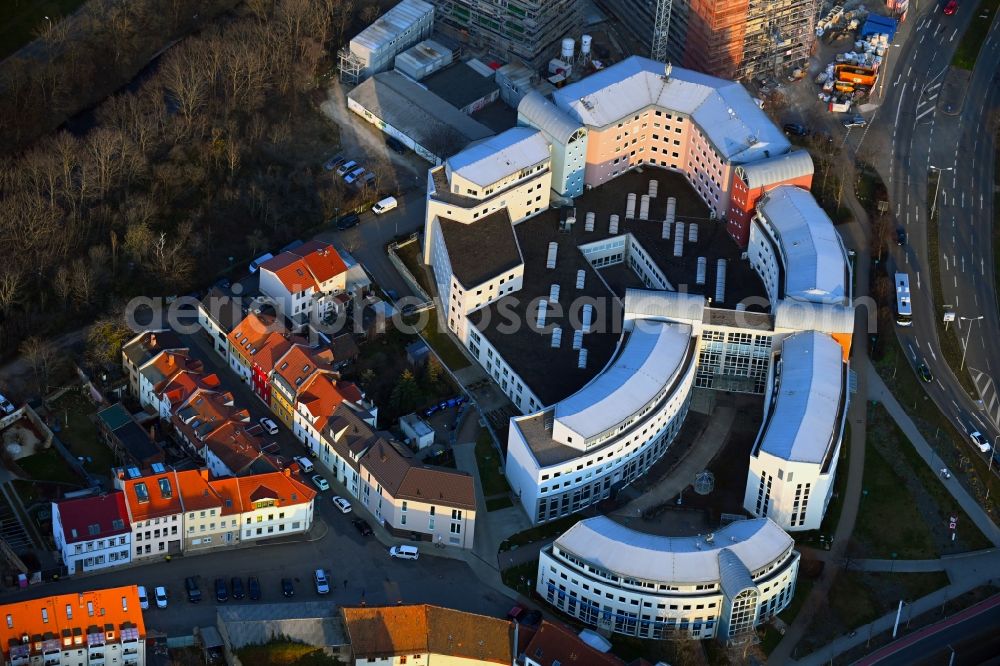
x=370, y=13
x=11, y=282
x=185, y=78
x=41, y=355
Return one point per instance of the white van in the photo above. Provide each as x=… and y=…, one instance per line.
x=304, y=464
x=385, y=205
x=404, y=552
x=143, y=599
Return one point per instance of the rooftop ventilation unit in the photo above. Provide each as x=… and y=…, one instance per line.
x=654, y=186
x=665, y=232
x=542, y=307
x=679, y=239
x=702, y=268
x=644, y=207
x=554, y=293
x=630, y=206
x=556, y=337
x=693, y=232
x=671, y=210
x=577, y=339
x=581, y=277
x=582, y=362
x=613, y=226
x=550, y=260
x=720, y=281
x=588, y=222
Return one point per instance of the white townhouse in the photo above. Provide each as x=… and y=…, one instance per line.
x=92, y=533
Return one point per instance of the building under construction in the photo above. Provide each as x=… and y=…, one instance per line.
x=732, y=39
x=525, y=30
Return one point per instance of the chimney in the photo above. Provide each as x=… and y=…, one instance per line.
x=204, y=473
x=152, y=340
x=287, y=472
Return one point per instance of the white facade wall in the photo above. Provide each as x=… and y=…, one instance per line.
x=266, y=522
x=763, y=259
x=220, y=343
x=558, y=490
x=511, y=383
x=93, y=554
x=778, y=489
x=210, y=528
x=658, y=609
x=393, y=132
x=152, y=538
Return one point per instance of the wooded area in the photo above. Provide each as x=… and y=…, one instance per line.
x=216, y=154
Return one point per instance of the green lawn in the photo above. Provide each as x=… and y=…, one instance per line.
x=21, y=19
x=540, y=532
x=803, y=586
x=79, y=433
x=888, y=519
x=439, y=340
x=490, y=469
x=285, y=653
x=48, y=465
x=521, y=577
x=975, y=35
x=409, y=254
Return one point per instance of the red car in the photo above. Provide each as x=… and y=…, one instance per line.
x=951, y=7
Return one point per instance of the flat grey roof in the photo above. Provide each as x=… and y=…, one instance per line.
x=460, y=84
x=417, y=112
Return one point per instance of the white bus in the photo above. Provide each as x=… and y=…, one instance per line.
x=904, y=310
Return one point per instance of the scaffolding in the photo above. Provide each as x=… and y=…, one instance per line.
x=350, y=66
x=779, y=37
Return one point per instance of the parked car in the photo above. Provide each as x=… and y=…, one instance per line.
x=945, y=474
x=385, y=205
x=395, y=144
x=363, y=528
x=855, y=121
x=193, y=593
x=524, y=616
x=322, y=582
x=901, y=236
x=161, y=597
x=253, y=585
x=270, y=426
x=404, y=552
x=304, y=464
x=347, y=167
x=287, y=588
x=980, y=441
x=236, y=585
x=354, y=175
x=925, y=373
x=951, y=7
x=221, y=593
x=342, y=505
x=796, y=129
x=143, y=598
x=334, y=162
x=368, y=179
x=430, y=411
x=6, y=406
x=348, y=221
x=320, y=482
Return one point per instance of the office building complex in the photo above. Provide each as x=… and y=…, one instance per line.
x=720, y=585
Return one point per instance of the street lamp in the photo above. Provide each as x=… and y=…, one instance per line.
x=937, y=188
x=966, y=348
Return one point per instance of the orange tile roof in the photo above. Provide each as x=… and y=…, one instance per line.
x=299, y=362
x=242, y=492
x=233, y=445
x=321, y=397
x=273, y=348
x=292, y=271
x=153, y=496
x=379, y=632
x=196, y=491
x=184, y=384
x=68, y=619
x=323, y=260
x=251, y=333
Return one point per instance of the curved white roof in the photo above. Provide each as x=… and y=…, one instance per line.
x=487, y=161
x=543, y=114
x=814, y=257
x=806, y=406
x=761, y=173
x=675, y=560
x=805, y=316
x=724, y=111
x=652, y=356
x=677, y=305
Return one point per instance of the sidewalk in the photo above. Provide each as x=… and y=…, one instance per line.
x=880, y=392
